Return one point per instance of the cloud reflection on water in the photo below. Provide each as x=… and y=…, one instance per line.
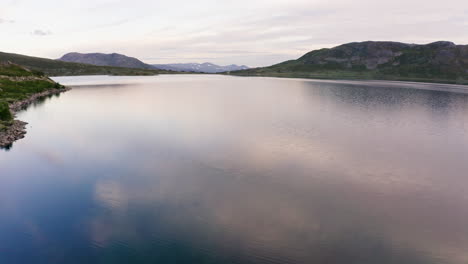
x=255, y=170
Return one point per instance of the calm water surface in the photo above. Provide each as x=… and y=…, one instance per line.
x=215, y=169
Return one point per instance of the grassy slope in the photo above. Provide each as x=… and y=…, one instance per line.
x=17, y=83
x=5, y=115
x=344, y=75
x=413, y=65
x=61, y=68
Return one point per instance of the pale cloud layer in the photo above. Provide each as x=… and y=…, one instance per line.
x=252, y=32
x=39, y=32
x=5, y=21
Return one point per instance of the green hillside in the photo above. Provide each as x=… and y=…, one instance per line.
x=442, y=62
x=18, y=83
x=62, y=68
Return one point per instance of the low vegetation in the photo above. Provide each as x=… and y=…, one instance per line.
x=5, y=115
x=12, y=91
x=17, y=84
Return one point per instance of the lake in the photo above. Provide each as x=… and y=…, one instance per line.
x=219, y=169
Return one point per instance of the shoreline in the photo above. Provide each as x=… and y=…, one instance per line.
x=344, y=78
x=411, y=84
x=17, y=130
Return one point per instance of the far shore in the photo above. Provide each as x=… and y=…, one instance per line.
x=413, y=84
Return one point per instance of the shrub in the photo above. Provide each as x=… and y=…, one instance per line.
x=5, y=114
x=58, y=86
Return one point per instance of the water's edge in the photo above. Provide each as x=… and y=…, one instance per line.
x=18, y=129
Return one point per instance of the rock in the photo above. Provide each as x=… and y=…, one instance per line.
x=18, y=129
x=14, y=132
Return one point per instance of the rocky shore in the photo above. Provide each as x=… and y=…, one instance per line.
x=13, y=133
x=18, y=128
x=17, y=106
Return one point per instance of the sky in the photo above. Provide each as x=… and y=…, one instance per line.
x=248, y=32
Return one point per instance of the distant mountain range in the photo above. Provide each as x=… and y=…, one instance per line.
x=441, y=61
x=435, y=62
x=119, y=60
x=200, y=67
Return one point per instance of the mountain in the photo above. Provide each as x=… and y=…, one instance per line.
x=197, y=67
x=119, y=60
x=62, y=68
x=101, y=59
x=435, y=62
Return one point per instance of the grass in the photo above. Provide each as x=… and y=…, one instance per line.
x=18, y=84
x=12, y=91
x=6, y=117
x=5, y=114
x=17, y=71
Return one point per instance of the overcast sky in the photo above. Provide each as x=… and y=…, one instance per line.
x=251, y=32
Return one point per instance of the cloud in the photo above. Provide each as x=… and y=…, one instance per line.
x=253, y=32
x=39, y=32
x=6, y=21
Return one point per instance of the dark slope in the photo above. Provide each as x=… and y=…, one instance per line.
x=62, y=68
x=101, y=59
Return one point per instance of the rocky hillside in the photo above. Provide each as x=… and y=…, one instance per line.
x=435, y=62
x=101, y=59
x=200, y=67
